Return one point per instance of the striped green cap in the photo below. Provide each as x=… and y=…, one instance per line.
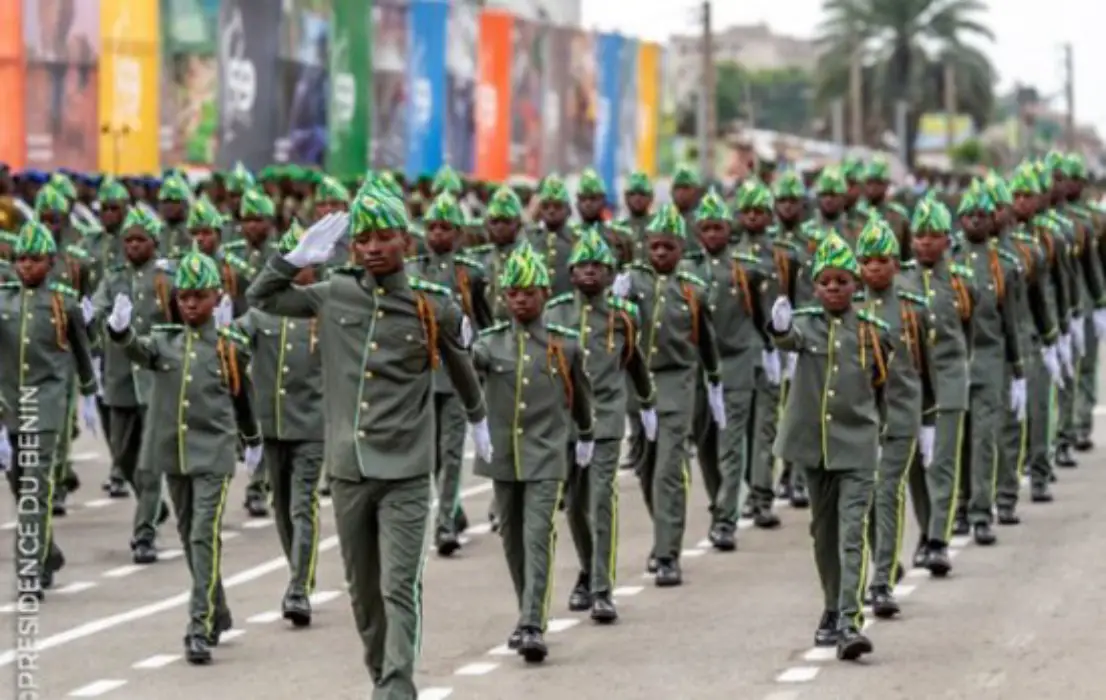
x=197, y=271
x=35, y=239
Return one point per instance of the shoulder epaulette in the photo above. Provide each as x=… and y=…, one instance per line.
x=623, y=305
x=808, y=311
x=240, y=243
x=911, y=297
x=898, y=209
x=428, y=286
x=415, y=259
x=642, y=267
x=877, y=322
x=482, y=249
x=501, y=326
x=236, y=262
x=167, y=327
x=908, y=265
x=118, y=267
x=11, y=285
x=744, y=257
x=352, y=270
x=469, y=262
x=961, y=271
x=561, y=330
x=59, y=288
x=560, y=299
x=235, y=335
x=1023, y=237
x=785, y=243
x=689, y=277
x=1010, y=257
x=77, y=252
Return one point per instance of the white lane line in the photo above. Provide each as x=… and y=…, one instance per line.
x=502, y=650
x=257, y=524
x=820, y=654
x=480, y=668
x=435, y=693
x=920, y=572
x=121, y=571
x=170, y=554
x=231, y=634
x=229, y=535
x=156, y=661
x=10, y=525
x=76, y=587
x=783, y=695
x=953, y=553
x=904, y=590
x=97, y=688
x=693, y=552
x=798, y=674
x=324, y=597
x=265, y=617
x=960, y=541
x=561, y=624
x=99, y=502
x=627, y=591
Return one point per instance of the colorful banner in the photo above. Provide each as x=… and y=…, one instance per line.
x=350, y=92
x=555, y=88
x=426, y=86
x=62, y=41
x=648, y=107
x=493, y=97
x=579, y=105
x=190, y=74
x=249, y=46
x=130, y=79
x=626, y=114
x=527, y=96
x=303, y=92
x=13, y=128
x=389, y=105
x=460, y=129
x=608, y=60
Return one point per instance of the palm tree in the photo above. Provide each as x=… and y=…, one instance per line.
x=903, y=46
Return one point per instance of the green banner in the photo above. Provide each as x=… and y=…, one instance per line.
x=350, y=87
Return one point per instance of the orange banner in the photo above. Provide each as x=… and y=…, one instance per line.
x=130, y=65
x=493, y=97
x=648, y=106
x=13, y=127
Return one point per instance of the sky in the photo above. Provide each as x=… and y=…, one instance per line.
x=1027, y=47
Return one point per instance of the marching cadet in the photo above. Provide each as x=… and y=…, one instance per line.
x=286, y=367
x=740, y=294
x=199, y=407
x=836, y=393
x=237, y=182
x=591, y=200
x=876, y=181
x=947, y=290
x=53, y=207
x=503, y=221
x=908, y=391
x=639, y=204
x=536, y=387
x=464, y=277
x=126, y=387
x=205, y=227
x=831, y=189
x=687, y=189
x=553, y=237
x=679, y=341
x=332, y=197
x=43, y=346
x=855, y=212
x=382, y=334
x=174, y=200
x=607, y=328
x=996, y=350
x=790, y=196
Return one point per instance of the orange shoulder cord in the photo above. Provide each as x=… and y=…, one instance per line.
x=1027, y=260
x=61, y=320
x=429, y=327
x=963, y=297
x=555, y=360
x=313, y=334
x=228, y=362
x=161, y=292
x=998, y=277
x=628, y=349
x=693, y=309
x=783, y=269
x=230, y=280
x=1049, y=246
x=867, y=333
x=74, y=271
x=464, y=284
x=741, y=281
x=909, y=321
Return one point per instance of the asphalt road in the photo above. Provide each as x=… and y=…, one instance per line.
x=1019, y=621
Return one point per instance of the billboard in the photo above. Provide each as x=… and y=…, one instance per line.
x=130, y=81
x=648, y=106
x=493, y=97
x=608, y=60
x=350, y=92
x=527, y=96
x=13, y=128
x=580, y=107
x=626, y=113
x=460, y=128
x=426, y=86
x=558, y=63
x=248, y=49
x=389, y=103
x=303, y=92
x=190, y=77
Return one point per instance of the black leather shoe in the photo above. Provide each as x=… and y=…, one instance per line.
x=117, y=488
x=255, y=505
x=1040, y=493
x=799, y=497
x=722, y=537
x=783, y=491
x=196, y=650
x=983, y=534
x=58, y=509
x=921, y=554
x=144, y=553
x=961, y=526
x=651, y=565
x=532, y=646
x=1084, y=443
x=446, y=543
x=851, y=644
x=1064, y=457
x=580, y=598
x=296, y=609
x=603, y=610
x=1007, y=515
x=324, y=489
x=938, y=561
x=884, y=605
x=668, y=573
x=765, y=519
x=514, y=639
x=827, y=633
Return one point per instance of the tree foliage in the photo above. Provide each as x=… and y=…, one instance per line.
x=768, y=99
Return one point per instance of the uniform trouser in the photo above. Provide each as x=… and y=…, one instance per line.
x=451, y=425
x=793, y=477
x=526, y=511
x=382, y=536
x=839, y=504
x=943, y=475
x=762, y=467
x=636, y=453
x=888, y=518
x=31, y=480
x=665, y=479
x=1018, y=439
x=125, y=443
x=1086, y=383
x=987, y=406
x=1041, y=413
x=916, y=482
x=258, y=484
x=294, y=468
x=105, y=425
x=200, y=500
x=723, y=454
x=591, y=506
x=64, y=476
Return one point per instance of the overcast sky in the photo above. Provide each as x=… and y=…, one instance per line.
x=1028, y=36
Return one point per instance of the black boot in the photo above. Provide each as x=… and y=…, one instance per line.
x=296, y=608
x=1064, y=457
x=852, y=644
x=1084, y=443
x=446, y=542
x=603, y=610
x=255, y=505
x=884, y=605
x=827, y=632
x=722, y=537
x=651, y=565
x=117, y=488
x=983, y=534
x=580, y=598
x=143, y=553
x=514, y=639
x=493, y=521
x=668, y=573
x=196, y=650
x=532, y=646
x=1039, y=492
x=799, y=497
x=766, y=519
x=1008, y=515
x=921, y=554
x=938, y=561
x=961, y=526
x=59, y=509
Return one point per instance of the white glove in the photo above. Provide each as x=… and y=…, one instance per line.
x=164, y=264
x=120, y=318
x=98, y=371
x=1099, y=319
x=88, y=312
x=1078, y=336
x=466, y=332
x=224, y=312
x=5, y=449
x=649, y=423
x=483, y=439
x=1050, y=356
x=90, y=417
x=318, y=241
x=621, y=285
x=584, y=451
x=717, y=405
x=789, y=370
x=927, y=438
x=771, y=361
x=252, y=458
x=1064, y=349
x=781, y=315
x=1017, y=398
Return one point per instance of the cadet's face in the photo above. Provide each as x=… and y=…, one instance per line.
x=380, y=252
x=553, y=213
x=1003, y=215
x=853, y=193
x=714, y=235
x=1025, y=205
x=789, y=209
x=590, y=277
x=234, y=202
x=976, y=225
x=138, y=247
x=197, y=305
x=835, y=289
x=665, y=253
x=111, y=213
x=502, y=232
x=171, y=209
x=526, y=304
x=53, y=220
x=638, y=203
x=878, y=272
x=32, y=269
x=831, y=204
x=929, y=247
x=875, y=189
x=207, y=240
x=755, y=220
x=256, y=228
x=441, y=237
x=590, y=206
x=684, y=196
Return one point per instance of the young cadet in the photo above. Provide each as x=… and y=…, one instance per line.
x=607, y=328
x=909, y=389
x=126, y=388
x=286, y=368
x=996, y=350
x=639, y=203
x=843, y=356
x=591, y=200
x=876, y=181
x=503, y=221
x=174, y=201
x=43, y=346
x=237, y=182
x=740, y=295
x=553, y=237
x=687, y=189
x=382, y=334
x=679, y=341
x=464, y=277
x=536, y=387
x=947, y=290
x=205, y=228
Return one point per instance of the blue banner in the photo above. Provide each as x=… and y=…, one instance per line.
x=629, y=126
x=608, y=61
x=426, y=85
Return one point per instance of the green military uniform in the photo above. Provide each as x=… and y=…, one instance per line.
x=377, y=381
x=1086, y=390
x=687, y=177
x=638, y=183
x=894, y=213
x=177, y=236
x=43, y=352
x=555, y=247
x=619, y=239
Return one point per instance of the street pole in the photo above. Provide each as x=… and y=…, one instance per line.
x=1069, y=93
x=950, y=108
x=902, y=128
x=711, y=113
x=856, y=94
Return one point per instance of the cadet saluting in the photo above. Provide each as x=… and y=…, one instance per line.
x=381, y=336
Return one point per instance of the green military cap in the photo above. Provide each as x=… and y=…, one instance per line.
x=381, y=182
x=111, y=190
x=1054, y=160
x=239, y=179
x=975, y=198
x=590, y=184
x=447, y=180
x=204, y=214
x=685, y=176
x=196, y=272
x=1025, y=180
x=834, y=253
x=256, y=203
x=878, y=170
x=712, y=207
x=1074, y=167
x=445, y=209
x=590, y=247
x=291, y=238
x=997, y=188
x=667, y=222
x=876, y=239
x=143, y=219
x=375, y=209
x=174, y=189
x=270, y=173
x=639, y=183
x=35, y=239
x=931, y=216
x=789, y=185
x=754, y=194
x=853, y=169
x=1044, y=175
x=51, y=199
x=330, y=189
x=504, y=204
x=553, y=189
x=62, y=183
x=831, y=181
x=524, y=269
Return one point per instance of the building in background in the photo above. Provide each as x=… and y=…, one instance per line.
x=563, y=12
